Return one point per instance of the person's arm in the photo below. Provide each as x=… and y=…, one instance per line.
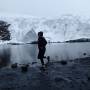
x=45, y=42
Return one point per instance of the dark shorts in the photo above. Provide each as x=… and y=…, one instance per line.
x=41, y=53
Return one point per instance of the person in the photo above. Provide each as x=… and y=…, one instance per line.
x=42, y=47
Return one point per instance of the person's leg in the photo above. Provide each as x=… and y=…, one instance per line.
x=42, y=62
x=43, y=52
x=40, y=56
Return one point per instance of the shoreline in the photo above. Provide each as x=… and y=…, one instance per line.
x=75, y=75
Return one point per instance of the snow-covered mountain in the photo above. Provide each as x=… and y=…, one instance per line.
x=25, y=29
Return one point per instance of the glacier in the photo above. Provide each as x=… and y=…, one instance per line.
x=25, y=29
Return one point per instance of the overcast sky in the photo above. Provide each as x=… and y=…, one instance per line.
x=45, y=8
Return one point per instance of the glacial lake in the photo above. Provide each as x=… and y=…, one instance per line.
x=27, y=53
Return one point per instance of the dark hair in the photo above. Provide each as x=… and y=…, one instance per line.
x=40, y=33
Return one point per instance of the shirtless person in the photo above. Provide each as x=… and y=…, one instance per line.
x=41, y=46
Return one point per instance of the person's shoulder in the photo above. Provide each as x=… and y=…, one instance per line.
x=43, y=37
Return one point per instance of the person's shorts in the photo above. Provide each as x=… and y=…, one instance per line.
x=41, y=53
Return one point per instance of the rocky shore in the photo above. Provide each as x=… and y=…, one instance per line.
x=72, y=75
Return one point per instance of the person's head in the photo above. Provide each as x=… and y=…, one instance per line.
x=40, y=34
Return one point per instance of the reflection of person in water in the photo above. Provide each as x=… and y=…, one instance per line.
x=41, y=46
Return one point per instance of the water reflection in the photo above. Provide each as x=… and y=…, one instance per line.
x=24, y=54
x=5, y=54
x=68, y=51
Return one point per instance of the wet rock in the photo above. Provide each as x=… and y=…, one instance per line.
x=24, y=68
x=63, y=62
x=84, y=54
x=59, y=79
x=88, y=78
x=14, y=65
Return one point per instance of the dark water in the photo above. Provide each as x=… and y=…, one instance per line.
x=27, y=53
